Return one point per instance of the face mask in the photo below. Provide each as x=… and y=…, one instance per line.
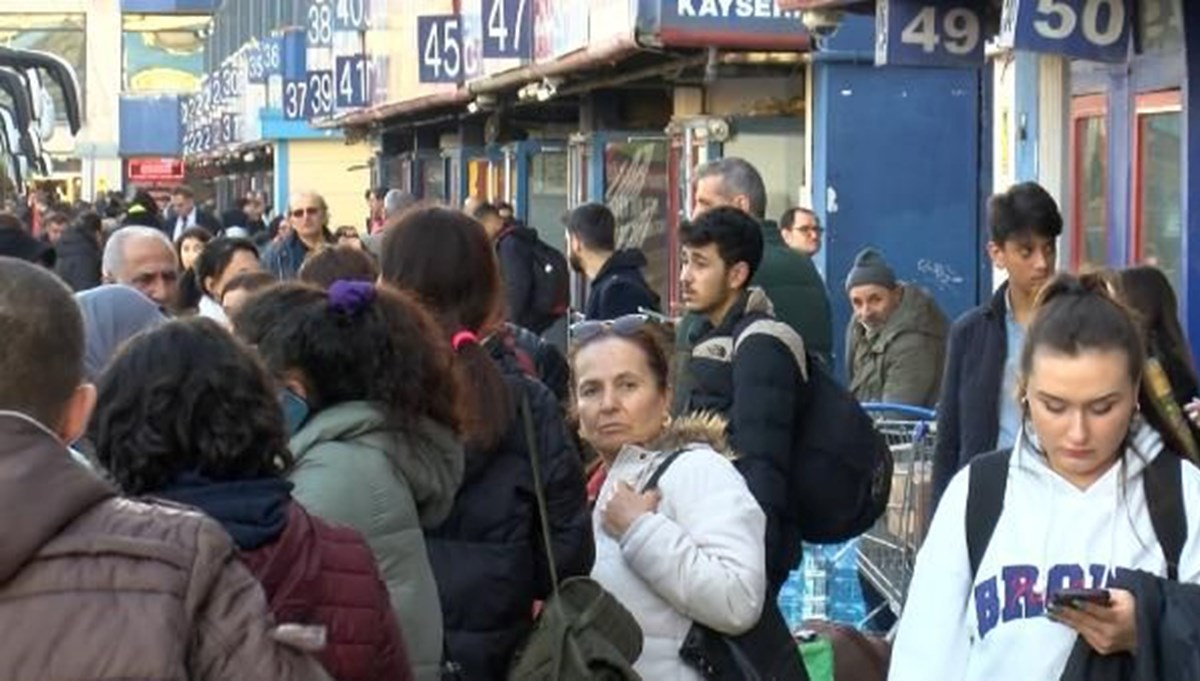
x=295, y=411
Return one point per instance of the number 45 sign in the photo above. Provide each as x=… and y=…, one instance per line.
x=1085, y=29
x=928, y=33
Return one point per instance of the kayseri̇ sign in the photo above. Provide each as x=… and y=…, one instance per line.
x=726, y=23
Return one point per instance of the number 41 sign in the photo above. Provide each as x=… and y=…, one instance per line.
x=928, y=33
x=1085, y=29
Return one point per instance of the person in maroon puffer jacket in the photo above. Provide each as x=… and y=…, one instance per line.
x=188, y=414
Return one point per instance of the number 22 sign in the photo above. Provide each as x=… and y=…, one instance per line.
x=928, y=33
x=1085, y=29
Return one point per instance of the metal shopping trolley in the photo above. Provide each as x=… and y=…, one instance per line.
x=888, y=551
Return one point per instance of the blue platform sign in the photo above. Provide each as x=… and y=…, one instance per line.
x=295, y=75
x=351, y=15
x=263, y=59
x=1098, y=30
x=350, y=80
x=507, y=29
x=928, y=33
x=440, y=50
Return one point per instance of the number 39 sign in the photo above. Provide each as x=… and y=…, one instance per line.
x=1085, y=29
x=928, y=33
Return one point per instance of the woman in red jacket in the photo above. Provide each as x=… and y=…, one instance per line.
x=187, y=414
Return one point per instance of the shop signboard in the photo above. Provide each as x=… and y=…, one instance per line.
x=724, y=23
x=1097, y=30
x=152, y=171
x=559, y=28
x=928, y=33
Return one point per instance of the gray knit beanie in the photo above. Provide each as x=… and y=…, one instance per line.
x=870, y=268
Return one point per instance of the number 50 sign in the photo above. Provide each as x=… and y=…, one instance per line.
x=1086, y=29
x=928, y=33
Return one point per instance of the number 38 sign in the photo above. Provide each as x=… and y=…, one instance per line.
x=1085, y=29
x=928, y=33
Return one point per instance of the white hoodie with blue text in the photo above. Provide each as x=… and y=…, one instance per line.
x=1051, y=535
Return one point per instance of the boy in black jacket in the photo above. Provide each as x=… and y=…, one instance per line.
x=978, y=410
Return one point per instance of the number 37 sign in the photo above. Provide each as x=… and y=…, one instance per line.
x=1085, y=29
x=928, y=33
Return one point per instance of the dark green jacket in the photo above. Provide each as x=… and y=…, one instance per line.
x=796, y=289
x=901, y=362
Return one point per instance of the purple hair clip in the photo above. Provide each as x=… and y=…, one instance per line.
x=350, y=297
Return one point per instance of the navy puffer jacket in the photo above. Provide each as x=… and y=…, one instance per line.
x=487, y=556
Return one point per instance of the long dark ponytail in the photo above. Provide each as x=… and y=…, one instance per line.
x=446, y=258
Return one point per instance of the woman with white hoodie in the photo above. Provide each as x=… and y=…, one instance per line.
x=1071, y=513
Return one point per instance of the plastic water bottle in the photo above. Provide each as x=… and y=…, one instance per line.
x=845, y=602
x=815, y=577
x=791, y=600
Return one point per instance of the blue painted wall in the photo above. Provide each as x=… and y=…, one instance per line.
x=150, y=126
x=897, y=166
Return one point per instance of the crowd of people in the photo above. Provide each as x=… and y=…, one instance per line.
x=252, y=448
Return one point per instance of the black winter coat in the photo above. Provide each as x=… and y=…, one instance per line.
x=1168, y=626
x=969, y=406
x=79, y=259
x=620, y=288
x=758, y=393
x=487, y=556
x=514, y=248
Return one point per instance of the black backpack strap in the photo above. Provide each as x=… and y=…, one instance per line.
x=988, y=478
x=1163, y=485
x=652, y=483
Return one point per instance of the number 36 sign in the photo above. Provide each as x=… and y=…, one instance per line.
x=1085, y=29
x=928, y=33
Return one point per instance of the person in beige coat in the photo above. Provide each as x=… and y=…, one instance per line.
x=94, y=586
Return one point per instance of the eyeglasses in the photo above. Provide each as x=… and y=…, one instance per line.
x=807, y=229
x=586, y=331
x=301, y=212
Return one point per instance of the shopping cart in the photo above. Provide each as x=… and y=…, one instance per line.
x=887, y=552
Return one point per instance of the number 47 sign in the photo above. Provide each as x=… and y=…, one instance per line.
x=928, y=33
x=1085, y=29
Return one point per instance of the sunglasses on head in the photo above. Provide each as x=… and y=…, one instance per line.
x=301, y=212
x=582, y=332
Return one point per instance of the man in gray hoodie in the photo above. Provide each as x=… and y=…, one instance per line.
x=896, y=341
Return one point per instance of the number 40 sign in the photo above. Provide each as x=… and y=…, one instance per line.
x=928, y=33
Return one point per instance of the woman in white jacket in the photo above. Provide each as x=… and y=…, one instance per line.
x=1074, y=511
x=690, y=550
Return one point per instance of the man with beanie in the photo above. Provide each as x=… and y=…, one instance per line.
x=896, y=341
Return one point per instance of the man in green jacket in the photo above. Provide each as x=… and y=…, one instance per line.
x=896, y=341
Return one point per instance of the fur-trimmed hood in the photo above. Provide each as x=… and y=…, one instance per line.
x=704, y=428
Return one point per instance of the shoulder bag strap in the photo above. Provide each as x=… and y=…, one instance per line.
x=652, y=483
x=1163, y=485
x=988, y=476
x=544, y=515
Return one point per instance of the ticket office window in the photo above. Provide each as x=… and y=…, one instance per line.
x=1157, y=183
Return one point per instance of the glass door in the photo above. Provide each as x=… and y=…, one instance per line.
x=637, y=190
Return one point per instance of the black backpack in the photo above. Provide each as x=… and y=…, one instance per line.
x=1162, y=482
x=551, y=277
x=841, y=467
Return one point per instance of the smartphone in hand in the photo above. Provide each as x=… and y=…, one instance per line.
x=1070, y=598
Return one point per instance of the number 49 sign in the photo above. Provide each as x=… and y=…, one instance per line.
x=928, y=33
